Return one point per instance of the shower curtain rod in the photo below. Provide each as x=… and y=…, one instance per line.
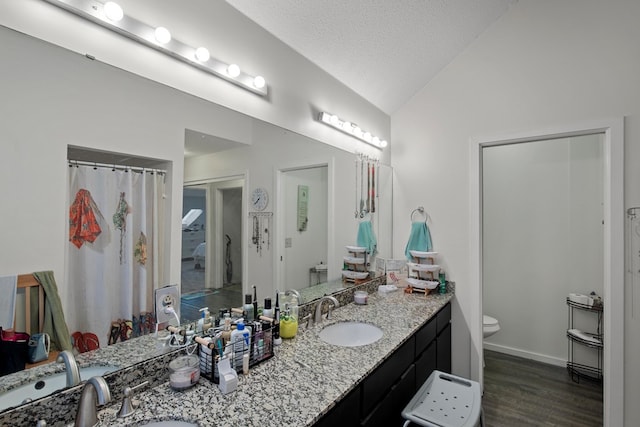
x=115, y=167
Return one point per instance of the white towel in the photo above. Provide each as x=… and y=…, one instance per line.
x=8, y=289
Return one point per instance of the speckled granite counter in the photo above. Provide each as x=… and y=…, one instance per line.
x=301, y=382
x=124, y=354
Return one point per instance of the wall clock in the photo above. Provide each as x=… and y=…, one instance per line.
x=259, y=199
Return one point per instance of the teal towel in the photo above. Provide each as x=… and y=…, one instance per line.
x=419, y=239
x=366, y=237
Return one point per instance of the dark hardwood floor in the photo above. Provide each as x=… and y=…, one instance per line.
x=522, y=392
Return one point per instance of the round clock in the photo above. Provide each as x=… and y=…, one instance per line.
x=259, y=199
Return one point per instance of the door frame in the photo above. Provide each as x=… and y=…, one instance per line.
x=613, y=244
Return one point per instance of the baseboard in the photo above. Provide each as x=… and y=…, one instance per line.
x=525, y=354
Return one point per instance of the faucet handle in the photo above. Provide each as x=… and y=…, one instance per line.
x=306, y=320
x=127, y=407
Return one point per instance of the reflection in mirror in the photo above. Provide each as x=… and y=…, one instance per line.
x=211, y=272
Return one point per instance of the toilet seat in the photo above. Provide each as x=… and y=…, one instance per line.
x=490, y=326
x=489, y=321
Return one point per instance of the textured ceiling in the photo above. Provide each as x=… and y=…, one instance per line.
x=384, y=50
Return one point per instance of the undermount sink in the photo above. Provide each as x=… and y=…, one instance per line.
x=44, y=386
x=351, y=334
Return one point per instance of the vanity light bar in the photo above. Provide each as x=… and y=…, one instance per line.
x=352, y=129
x=110, y=16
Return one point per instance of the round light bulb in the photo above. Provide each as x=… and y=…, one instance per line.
x=383, y=143
x=376, y=140
x=259, y=82
x=113, y=11
x=367, y=136
x=163, y=36
x=357, y=131
x=334, y=120
x=233, y=70
x=347, y=126
x=202, y=54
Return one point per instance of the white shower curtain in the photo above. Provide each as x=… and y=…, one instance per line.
x=110, y=279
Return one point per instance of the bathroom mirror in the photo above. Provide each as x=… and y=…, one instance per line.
x=272, y=249
x=276, y=149
x=135, y=107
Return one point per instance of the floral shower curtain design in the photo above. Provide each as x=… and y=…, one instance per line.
x=112, y=266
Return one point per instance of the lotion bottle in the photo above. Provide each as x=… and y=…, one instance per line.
x=240, y=338
x=248, y=307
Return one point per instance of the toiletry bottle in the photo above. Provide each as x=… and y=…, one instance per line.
x=267, y=311
x=442, y=288
x=248, y=307
x=276, y=323
x=240, y=342
x=204, y=315
x=267, y=332
x=288, y=324
x=255, y=303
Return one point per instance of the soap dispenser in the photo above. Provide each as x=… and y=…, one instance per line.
x=289, y=322
x=204, y=317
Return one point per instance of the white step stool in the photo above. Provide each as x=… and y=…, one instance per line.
x=445, y=400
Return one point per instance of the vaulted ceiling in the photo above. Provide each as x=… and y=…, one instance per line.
x=384, y=50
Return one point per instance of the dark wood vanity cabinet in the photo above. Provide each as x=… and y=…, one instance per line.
x=380, y=398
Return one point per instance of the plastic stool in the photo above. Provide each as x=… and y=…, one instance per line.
x=445, y=400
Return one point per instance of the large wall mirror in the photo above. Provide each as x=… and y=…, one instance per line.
x=269, y=246
x=264, y=156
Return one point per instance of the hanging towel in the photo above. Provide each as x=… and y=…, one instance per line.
x=366, y=237
x=83, y=223
x=8, y=288
x=54, y=323
x=419, y=239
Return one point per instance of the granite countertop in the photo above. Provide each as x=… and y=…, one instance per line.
x=300, y=383
x=124, y=354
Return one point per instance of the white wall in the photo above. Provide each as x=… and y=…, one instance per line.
x=542, y=239
x=543, y=64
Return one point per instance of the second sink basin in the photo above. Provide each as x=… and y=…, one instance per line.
x=351, y=334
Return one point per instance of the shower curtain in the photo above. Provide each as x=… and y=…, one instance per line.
x=111, y=274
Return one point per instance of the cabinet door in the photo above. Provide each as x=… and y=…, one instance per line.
x=345, y=413
x=444, y=350
x=426, y=363
x=388, y=412
x=377, y=385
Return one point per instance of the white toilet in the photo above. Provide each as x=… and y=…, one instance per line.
x=489, y=326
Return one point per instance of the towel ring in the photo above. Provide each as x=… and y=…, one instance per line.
x=421, y=211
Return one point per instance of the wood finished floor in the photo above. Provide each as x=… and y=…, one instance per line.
x=521, y=392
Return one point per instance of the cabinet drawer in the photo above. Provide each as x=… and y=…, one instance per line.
x=443, y=318
x=380, y=381
x=424, y=336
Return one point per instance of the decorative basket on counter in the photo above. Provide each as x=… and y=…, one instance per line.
x=211, y=349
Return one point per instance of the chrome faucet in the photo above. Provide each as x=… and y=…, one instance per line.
x=295, y=294
x=95, y=392
x=319, y=307
x=71, y=367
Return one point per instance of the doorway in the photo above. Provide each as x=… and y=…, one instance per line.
x=304, y=226
x=542, y=233
x=612, y=246
x=212, y=251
